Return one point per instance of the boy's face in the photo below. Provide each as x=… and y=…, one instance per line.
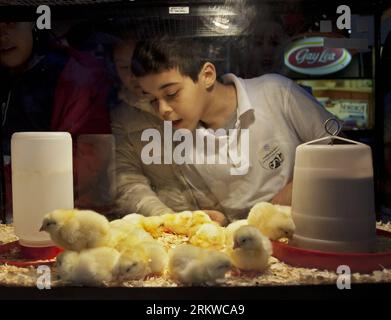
x=175, y=97
x=16, y=43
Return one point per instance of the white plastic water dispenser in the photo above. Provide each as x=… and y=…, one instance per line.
x=333, y=196
x=42, y=181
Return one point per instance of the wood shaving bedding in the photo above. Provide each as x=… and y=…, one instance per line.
x=7, y=234
x=279, y=273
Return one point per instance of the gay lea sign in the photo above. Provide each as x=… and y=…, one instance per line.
x=308, y=56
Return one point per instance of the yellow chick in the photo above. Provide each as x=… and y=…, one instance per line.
x=124, y=225
x=230, y=230
x=193, y=265
x=169, y=220
x=251, y=250
x=209, y=235
x=90, y=267
x=178, y=223
x=158, y=257
x=66, y=263
x=285, y=209
x=154, y=225
x=134, y=218
x=185, y=222
x=129, y=227
x=274, y=222
x=132, y=265
x=125, y=234
x=199, y=218
x=122, y=241
x=145, y=258
x=77, y=229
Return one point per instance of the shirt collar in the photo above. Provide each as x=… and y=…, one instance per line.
x=244, y=104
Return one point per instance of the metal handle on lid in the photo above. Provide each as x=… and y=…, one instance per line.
x=328, y=126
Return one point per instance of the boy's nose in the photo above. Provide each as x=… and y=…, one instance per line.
x=164, y=109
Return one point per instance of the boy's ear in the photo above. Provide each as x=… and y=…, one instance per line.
x=207, y=75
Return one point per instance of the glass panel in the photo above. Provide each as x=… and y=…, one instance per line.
x=77, y=77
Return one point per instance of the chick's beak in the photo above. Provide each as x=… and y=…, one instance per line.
x=42, y=228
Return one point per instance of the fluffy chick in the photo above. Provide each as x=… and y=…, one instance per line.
x=124, y=235
x=157, y=256
x=273, y=221
x=209, y=235
x=91, y=267
x=154, y=225
x=251, y=250
x=141, y=260
x=230, y=230
x=178, y=223
x=284, y=209
x=193, y=265
x=121, y=240
x=135, y=218
x=185, y=222
x=199, y=218
x=126, y=225
x=132, y=265
x=76, y=229
x=66, y=263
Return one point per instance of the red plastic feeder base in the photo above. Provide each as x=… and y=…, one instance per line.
x=39, y=253
x=358, y=262
x=21, y=256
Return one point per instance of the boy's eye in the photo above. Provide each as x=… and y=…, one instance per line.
x=172, y=95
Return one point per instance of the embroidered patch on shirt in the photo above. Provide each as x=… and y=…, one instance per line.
x=271, y=156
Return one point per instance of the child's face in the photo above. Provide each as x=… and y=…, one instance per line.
x=175, y=97
x=16, y=43
x=122, y=58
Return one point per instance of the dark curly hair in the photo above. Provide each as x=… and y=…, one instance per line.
x=162, y=54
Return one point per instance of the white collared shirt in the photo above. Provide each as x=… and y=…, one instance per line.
x=279, y=115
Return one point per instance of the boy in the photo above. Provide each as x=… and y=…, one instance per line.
x=146, y=189
x=277, y=113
